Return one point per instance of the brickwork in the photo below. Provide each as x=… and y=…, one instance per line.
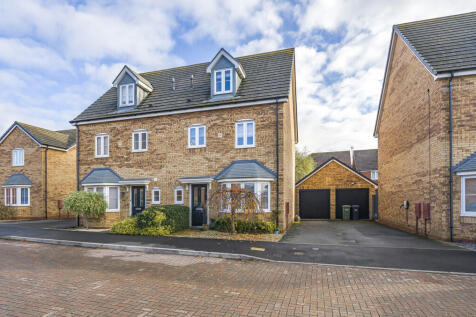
x=335, y=176
x=33, y=158
x=117, y=283
x=413, y=146
x=168, y=157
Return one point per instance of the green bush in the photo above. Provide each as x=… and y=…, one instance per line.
x=151, y=224
x=6, y=212
x=244, y=226
x=176, y=217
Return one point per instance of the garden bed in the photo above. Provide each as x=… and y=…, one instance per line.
x=213, y=234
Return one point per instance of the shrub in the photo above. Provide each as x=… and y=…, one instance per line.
x=244, y=226
x=177, y=218
x=87, y=204
x=6, y=212
x=151, y=224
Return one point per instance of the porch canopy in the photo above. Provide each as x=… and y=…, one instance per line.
x=106, y=176
x=466, y=165
x=245, y=170
x=17, y=180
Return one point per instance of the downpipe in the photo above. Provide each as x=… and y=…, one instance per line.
x=450, y=87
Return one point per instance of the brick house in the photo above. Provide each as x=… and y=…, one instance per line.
x=363, y=161
x=426, y=129
x=332, y=184
x=174, y=136
x=37, y=169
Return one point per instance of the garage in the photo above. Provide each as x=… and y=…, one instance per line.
x=322, y=193
x=353, y=196
x=314, y=204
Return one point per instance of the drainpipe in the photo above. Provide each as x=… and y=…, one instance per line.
x=77, y=167
x=450, y=87
x=277, y=161
x=46, y=183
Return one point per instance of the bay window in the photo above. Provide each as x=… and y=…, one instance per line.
x=468, y=196
x=261, y=190
x=17, y=196
x=111, y=195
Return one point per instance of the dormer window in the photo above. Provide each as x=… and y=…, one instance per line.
x=223, y=81
x=126, y=94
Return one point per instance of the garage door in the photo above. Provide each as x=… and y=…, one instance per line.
x=314, y=203
x=353, y=196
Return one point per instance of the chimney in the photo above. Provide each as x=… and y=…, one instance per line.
x=352, y=157
x=173, y=83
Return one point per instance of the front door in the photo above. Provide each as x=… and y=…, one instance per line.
x=199, y=204
x=138, y=199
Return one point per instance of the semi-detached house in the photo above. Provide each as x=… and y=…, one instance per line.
x=175, y=136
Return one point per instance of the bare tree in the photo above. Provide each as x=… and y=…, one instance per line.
x=235, y=199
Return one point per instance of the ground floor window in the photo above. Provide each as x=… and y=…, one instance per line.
x=178, y=193
x=17, y=196
x=260, y=189
x=110, y=194
x=468, y=196
x=156, y=195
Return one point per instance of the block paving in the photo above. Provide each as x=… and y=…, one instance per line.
x=47, y=280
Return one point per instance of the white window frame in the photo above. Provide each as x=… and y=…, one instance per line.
x=106, y=195
x=222, y=71
x=465, y=213
x=374, y=174
x=102, y=136
x=18, y=196
x=178, y=202
x=18, y=157
x=245, y=133
x=140, y=133
x=126, y=87
x=196, y=128
x=257, y=185
x=156, y=202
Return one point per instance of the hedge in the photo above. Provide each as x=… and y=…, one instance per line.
x=177, y=217
x=244, y=226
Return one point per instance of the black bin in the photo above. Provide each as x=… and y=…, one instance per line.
x=355, y=212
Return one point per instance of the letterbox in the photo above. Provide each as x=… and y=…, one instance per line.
x=426, y=211
x=418, y=210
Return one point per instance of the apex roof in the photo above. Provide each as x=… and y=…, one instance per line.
x=268, y=76
x=365, y=160
x=61, y=139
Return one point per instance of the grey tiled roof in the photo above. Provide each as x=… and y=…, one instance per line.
x=17, y=179
x=443, y=44
x=245, y=169
x=268, y=75
x=365, y=160
x=63, y=139
x=466, y=165
x=101, y=176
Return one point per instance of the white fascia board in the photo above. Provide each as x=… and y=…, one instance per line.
x=242, y=180
x=125, y=70
x=456, y=74
x=135, y=182
x=168, y=113
x=15, y=186
x=100, y=184
x=235, y=63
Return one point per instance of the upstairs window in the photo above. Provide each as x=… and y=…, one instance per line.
x=18, y=157
x=139, y=141
x=374, y=175
x=126, y=94
x=223, y=81
x=102, y=145
x=245, y=134
x=196, y=136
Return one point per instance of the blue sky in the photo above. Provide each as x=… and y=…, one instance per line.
x=57, y=57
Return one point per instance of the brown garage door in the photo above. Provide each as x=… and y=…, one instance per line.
x=353, y=196
x=314, y=203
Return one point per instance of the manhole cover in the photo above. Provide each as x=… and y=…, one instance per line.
x=315, y=249
x=298, y=253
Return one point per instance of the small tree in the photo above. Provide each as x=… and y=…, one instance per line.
x=304, y=164
x=86, y=204
x=235, y=199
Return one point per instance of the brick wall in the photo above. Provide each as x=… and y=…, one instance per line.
x=413, y=145
x=169, y=158
x=61, y=179
x=32, y=169
x=334, y=176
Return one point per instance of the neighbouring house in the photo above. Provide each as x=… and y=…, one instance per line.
x=426, y=129
x=37, y=170
x=363, y=161
x=175, y=136
x=331, y=185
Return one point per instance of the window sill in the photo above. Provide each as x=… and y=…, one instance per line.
x=139, y=151
x=112, y=210
x=468, y=214
x=178, y=203
x=101, y=156
x=197, y=147
x=128, y=105
x=155, y=203
x=244, y=146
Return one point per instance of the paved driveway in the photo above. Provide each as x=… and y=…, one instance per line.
x=358, y=233
x=45, y=280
